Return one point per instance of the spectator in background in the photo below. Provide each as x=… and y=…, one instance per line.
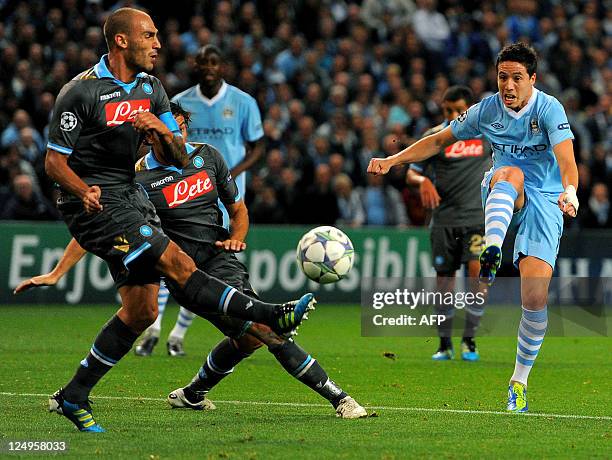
x=597, y=214
x=382, y=203
x=27, y=204
x=10, y=136
x=266, y=209
x=349, y=202
x=319, y=205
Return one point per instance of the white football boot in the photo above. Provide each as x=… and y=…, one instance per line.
x=177, y=399
x=349, y=408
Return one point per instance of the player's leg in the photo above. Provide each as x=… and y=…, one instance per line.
x=446, y=255
x=303, y=367
x=177, y=335
x=219, y=364
x=473, y=242
x=202, y=293
x=445, y=282
x=535, y=278
x=535, y=253
x=150, y=337
x=502, y=195
x=138, y=311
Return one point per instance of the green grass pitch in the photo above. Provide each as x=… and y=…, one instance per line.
x=424, y=409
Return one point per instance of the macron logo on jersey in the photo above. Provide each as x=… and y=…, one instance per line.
x=460, y=149
x=188, y=189
x=118, y=113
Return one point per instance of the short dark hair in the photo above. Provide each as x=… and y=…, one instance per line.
x=456, y=93
x=210, y=49
x=118, y=22
x=521, y=53
x=177, y=110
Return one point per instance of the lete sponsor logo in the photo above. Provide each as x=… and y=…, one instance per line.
x=470, y=148
x=118, y=113
x=187, y=189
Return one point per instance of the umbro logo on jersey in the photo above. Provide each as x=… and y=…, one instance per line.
x=188, y=189
x=118, y=113
x=106, y=97
x=248, y=305
x=497, y=125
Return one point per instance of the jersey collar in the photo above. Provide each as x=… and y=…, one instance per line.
x=101, y=71
x=152, y=163
x=215, y=98
x=524, y=110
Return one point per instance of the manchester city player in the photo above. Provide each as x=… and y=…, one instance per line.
x=228, y=119
x=532, y=184
x=193, y=221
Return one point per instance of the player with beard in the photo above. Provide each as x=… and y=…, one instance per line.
x=99, y=120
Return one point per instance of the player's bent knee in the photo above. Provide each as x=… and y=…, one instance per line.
x=510, y=174
x=175, y=264
x=264, y=335
x=247, y=344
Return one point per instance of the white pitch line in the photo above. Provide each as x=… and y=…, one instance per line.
x=407, y=409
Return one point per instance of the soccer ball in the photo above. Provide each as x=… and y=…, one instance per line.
x=325, y=254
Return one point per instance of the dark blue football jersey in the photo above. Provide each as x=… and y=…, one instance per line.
x=93, y=123
x=186, y=199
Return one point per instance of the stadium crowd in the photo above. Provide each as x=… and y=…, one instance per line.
x=337, y=82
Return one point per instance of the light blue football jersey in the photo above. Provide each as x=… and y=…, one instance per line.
x=524, y=139
x=226, y=121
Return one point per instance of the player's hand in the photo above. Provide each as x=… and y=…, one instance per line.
x=568, y=202
x=231, y=245
x=37, y=281
x=147, y=122
x=379, y=166
x=91, y=199
x=429, y=195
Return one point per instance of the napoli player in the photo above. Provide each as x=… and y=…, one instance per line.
x=193, y=221
x=228, y=119
x=98, y=123
x=447, y=184
x=532, y=183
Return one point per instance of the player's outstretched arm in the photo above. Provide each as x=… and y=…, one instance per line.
x=419, y=151
x=72, y=254
x=239, y=225
x=568, y=201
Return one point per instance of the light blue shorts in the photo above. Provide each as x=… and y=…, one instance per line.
x=539, y=224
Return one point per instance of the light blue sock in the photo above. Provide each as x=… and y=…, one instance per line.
x=498, y=212
x=530, y=337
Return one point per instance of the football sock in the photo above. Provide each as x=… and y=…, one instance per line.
x=162, y=299
x=307, y=370
x=205, y=294
x=445, y=328
x=112, y=343
x=219, y=363
x=531, y=333
x=473, y=314
x=498, y=212
x=183, y=321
